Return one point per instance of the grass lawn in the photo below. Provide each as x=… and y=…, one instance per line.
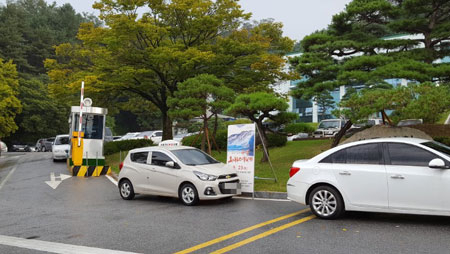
x=281, y=157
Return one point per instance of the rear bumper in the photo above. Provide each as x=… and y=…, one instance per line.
x=296, y=191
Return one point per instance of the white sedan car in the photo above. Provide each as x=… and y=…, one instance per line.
x=61, y=147
x=395, y=175
x=176, y=171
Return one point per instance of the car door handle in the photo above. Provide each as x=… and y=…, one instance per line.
x=397, y=177
x=344, y=173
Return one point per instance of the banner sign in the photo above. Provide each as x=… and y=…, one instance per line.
x=241, y=153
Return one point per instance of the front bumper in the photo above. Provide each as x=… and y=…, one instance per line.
x=60, y=155
x=221, y=188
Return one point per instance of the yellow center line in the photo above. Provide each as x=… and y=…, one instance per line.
x=264, y=234
x=240, y=232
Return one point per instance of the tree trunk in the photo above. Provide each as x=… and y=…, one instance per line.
x=216, y=123
x=341, y=133
x=205, y=133
x=263, y=137
x=167, y=125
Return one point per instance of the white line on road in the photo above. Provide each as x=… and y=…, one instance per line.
x=264, y=199
x=54, y=247
x=112, y=179
x=10, y=174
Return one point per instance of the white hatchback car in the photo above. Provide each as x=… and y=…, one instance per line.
x=61, y=147
x=395, y=175
x=177, y=171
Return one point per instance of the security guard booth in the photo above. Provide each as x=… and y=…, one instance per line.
x=86, y=153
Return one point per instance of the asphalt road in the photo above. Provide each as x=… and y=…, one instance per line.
x=87, y=215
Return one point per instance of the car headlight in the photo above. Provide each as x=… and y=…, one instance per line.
x=205, y=177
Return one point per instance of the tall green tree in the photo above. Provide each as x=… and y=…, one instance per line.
x=201, y=96
x=374, y=41
x=149, y=55
x=362, y=45
x=9, y=104
x=260, y=106
x=324, y=102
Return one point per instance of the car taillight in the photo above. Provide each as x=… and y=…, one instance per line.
x=293, y=171
x=121, y=165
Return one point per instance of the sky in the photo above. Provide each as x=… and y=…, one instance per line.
x=299, y=17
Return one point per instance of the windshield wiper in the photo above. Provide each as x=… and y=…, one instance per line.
x=191, y=164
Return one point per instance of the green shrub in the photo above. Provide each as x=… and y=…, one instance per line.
x=443, y=140
x=295, y=128
x=276, y=140
x=238, y=121
x=221, y=140
x=125, y=145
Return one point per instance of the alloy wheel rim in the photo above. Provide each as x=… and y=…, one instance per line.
x=188, y=195
x=125, y=190
x=324, y=203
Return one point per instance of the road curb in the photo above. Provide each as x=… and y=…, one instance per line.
x=267, y=195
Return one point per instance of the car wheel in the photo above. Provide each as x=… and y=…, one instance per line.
x=55, y=160
x=326, y=202
x=188, y=194
x=126, y=190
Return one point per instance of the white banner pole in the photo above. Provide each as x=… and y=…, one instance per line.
x=81, y=114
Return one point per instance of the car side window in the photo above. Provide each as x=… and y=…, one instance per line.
x=139, y=157
x=160, y=159
x=364, y=154
x=360, y=154
x=409, y=155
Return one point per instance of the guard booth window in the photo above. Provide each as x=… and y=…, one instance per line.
x=92, y=126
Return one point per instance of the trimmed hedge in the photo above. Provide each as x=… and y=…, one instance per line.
x=125, y=145
x=443, y=140
x=295, y=128
x=276, y=140
x=221, y=140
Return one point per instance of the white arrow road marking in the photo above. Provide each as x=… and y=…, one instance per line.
x=53, y=182
x=54, y=247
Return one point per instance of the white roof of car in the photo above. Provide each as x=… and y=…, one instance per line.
x=394, y=139
x=161, y=148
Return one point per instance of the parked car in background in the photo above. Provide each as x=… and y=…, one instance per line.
x=3, y=147
x=116, y=138
x=108, y=135
x=39, y=145
x=176, y=171
x=408, y=122
x=129, y=135
x=48, y=143
x=154, y=136
x=61, y=147
x=394, y=175
x=329, y=128
x=179, y=137
x=20, y=148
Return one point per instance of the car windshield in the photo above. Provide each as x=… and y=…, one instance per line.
x=329, y=124
x=62, y=141
x=438, y=147
x=193, y=157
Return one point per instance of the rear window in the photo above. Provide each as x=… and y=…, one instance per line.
x=139, y=157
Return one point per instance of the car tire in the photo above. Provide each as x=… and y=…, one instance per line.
x=55, y=160
x=188, y=194
x=126, y=190
x=326, y=202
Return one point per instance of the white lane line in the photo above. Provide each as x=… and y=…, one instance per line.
x=112, y=179
x=263, y=199
x=52, y=247
x=10, y=174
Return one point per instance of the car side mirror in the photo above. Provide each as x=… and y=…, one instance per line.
x=172, y=164
x=438, y=163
